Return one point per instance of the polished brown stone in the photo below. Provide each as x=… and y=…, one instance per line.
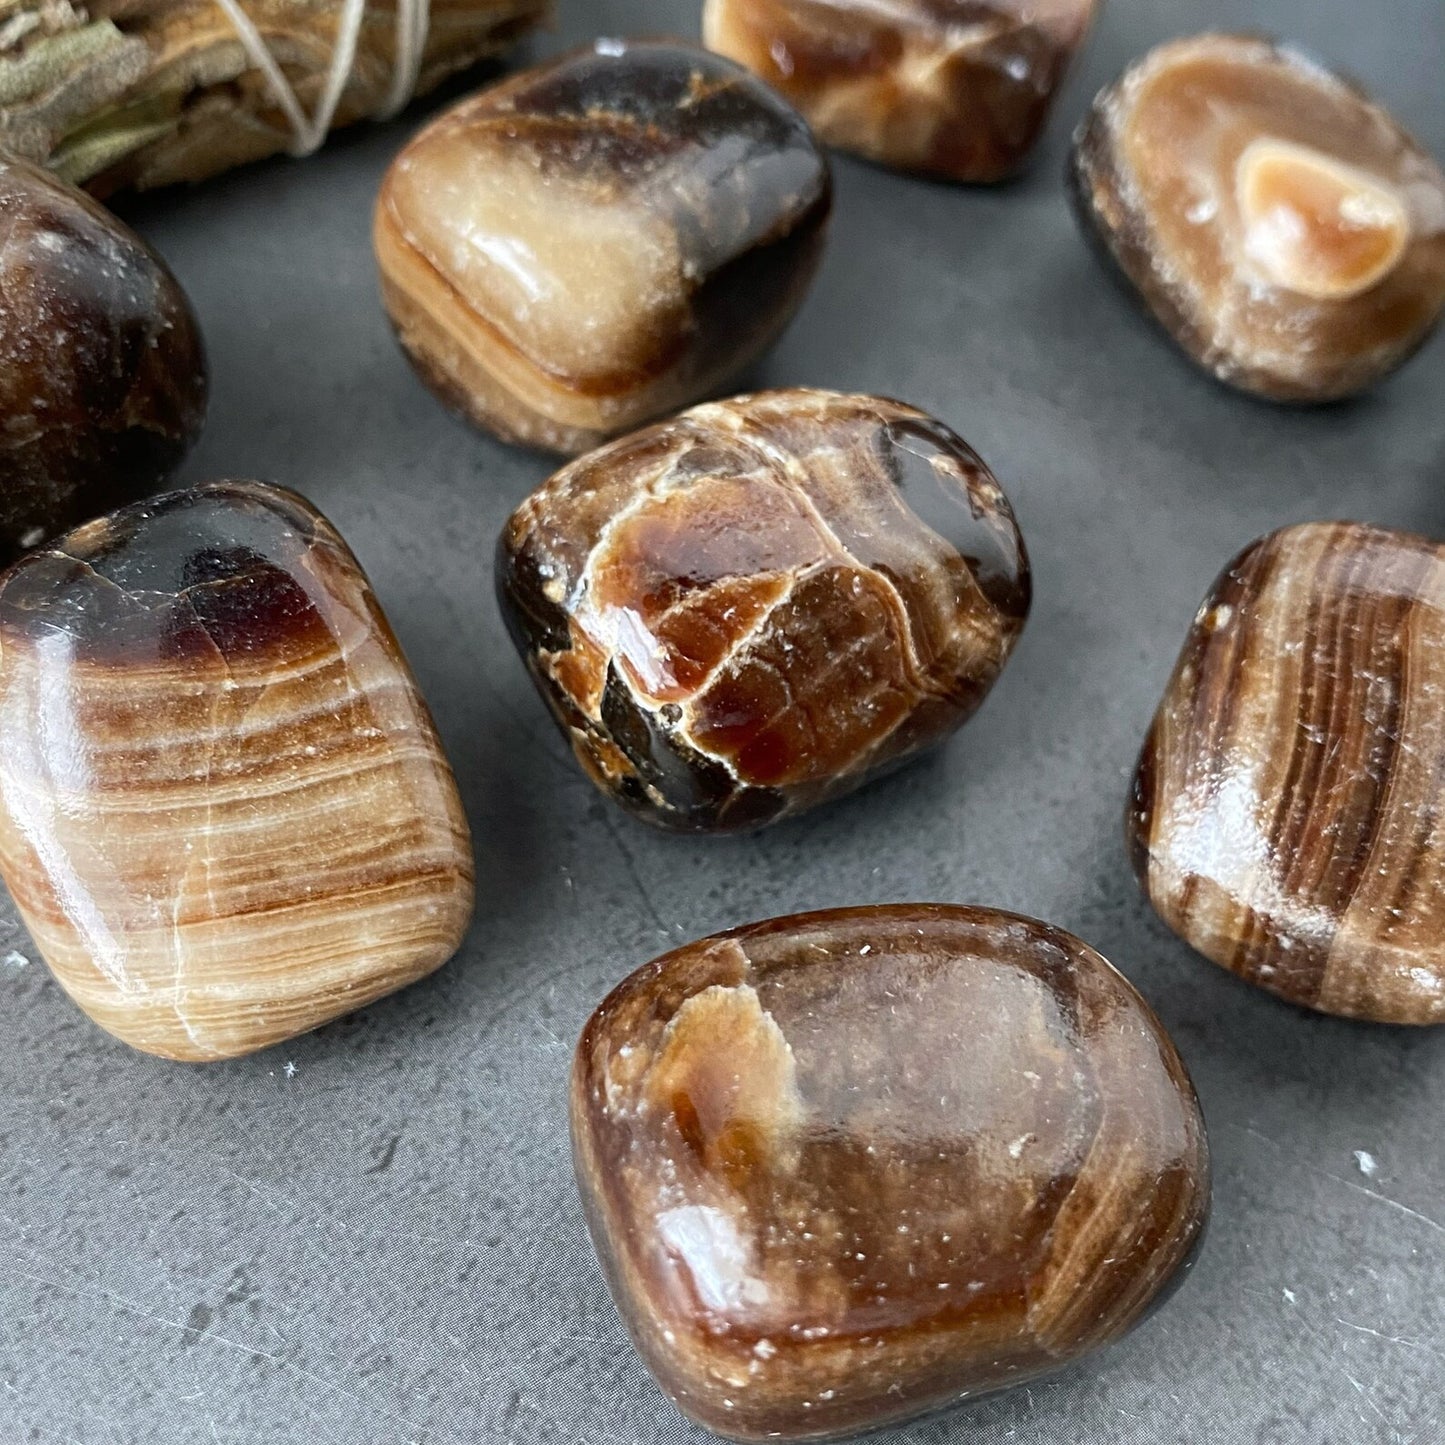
x=956, y=88
x=1278, y=222
x=225, y=815
x=102, y=371
x=764, y=602
x=1288, y=814
x=842, y=1168
x=600, y=240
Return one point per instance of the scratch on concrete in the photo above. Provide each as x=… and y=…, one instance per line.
x=1365, y=1395
x=1339, y=1179
x=133, y=1307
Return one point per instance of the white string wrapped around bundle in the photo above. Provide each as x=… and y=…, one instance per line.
x=308, y=133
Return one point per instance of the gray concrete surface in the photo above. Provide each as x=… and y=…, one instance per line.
x=370, y=1235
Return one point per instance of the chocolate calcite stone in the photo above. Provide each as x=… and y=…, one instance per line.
x=1288, y=813
x=842, y=1168
x=764, y=602
x=225, y=816
x=1280, y=224
x=601, y=240
x=956, y=88
x=102, y=371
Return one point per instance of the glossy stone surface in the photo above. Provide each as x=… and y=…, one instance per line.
x=842, y=1168
x=600, y=240
x=957, y=88
x=764, y=602
x=225, y=816
x=1278, y=222
x=102, y=372
x=1287, y=811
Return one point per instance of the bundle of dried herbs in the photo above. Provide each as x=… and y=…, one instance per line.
x=144, y=93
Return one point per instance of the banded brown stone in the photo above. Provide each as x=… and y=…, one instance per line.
x=225, y=814
x=1288, y=810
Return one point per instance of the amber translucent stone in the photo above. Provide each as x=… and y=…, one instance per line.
x=225, y=816
x=845, y=1167
x=1287, y=811
x=1279, y=223
x=1314, y=226
x=102, y=371
x=764, y=602
x=957, y=88
x=601, y=240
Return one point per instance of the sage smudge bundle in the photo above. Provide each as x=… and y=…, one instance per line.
x=145, y=93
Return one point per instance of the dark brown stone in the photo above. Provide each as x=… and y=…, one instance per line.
x=102, y=370
x=764, y=602
x=600, y=240
x=846, y=1167
x=956, y=88
x=1286, y=811
x=1279, y=224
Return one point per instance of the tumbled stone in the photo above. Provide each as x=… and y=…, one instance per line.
x=842, y=1168
x=600, y=240
x=951, y=87
x=102, y=371
x=764, y=602
x=225, y=815
x=1288, y=813
x=1280, y=224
